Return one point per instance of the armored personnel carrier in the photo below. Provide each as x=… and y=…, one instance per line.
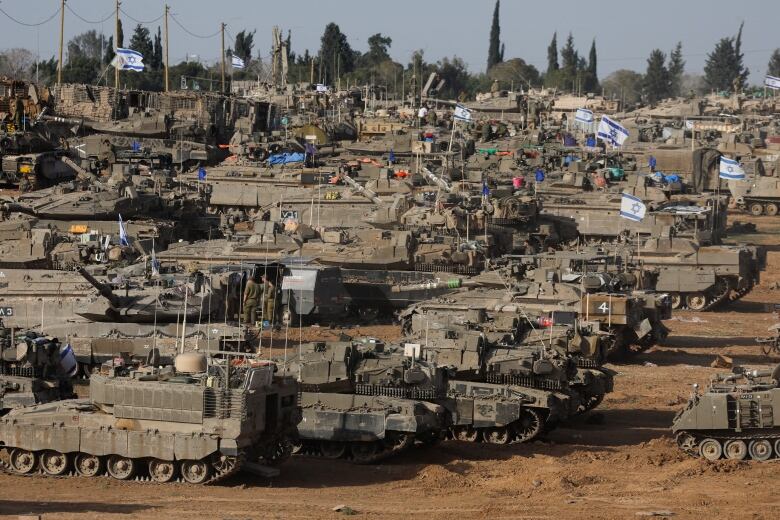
x=201, y=423
x=597, y=218
x=760, y=195
x=699, y=277
x=367, y=401
x=733, y=418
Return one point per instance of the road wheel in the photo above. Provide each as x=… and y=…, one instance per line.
x=121, y=468
x=710, y=449
x=333, y=449
x=88, y=465
x=499, y=435
x=195, y=471
x=771, y=209
x=696, y=301
x=736, y=450
x=54, y=463
x=162, y=470
x=23, y=461
x=676, y=300
x=467, y=434
x=760, y=450
x=529, y=425
x=363, y=452
x=756, y=209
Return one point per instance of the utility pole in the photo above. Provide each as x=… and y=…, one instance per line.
x=222, y=29
x=167, y=9
x=62, y=36
x=311, y=73
x=116, y=44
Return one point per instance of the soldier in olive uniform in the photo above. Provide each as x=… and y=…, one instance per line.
x=252, y=294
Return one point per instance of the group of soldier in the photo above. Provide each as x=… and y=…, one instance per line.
x=259, y=295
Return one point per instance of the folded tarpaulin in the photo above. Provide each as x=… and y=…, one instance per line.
x=286, y=158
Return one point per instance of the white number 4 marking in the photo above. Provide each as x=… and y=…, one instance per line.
x=604, y=308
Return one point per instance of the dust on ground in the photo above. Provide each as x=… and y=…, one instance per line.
x=618, y=461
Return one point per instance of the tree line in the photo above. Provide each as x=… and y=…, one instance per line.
x=336, y=63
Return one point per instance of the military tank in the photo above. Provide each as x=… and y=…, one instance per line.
x=513, y=388
x=201, y=423
x=733, y=418
x=365, y=401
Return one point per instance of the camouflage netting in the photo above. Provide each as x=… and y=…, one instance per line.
x=85, y=101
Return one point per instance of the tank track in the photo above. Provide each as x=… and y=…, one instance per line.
x=714, y=302
x=215, y=477
x=692, y=449
x=375, y=451
x=526, y=429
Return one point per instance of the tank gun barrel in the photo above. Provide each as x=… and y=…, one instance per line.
x=435, y=179
x=65, y=120
x=367, y=193
x=104, y=290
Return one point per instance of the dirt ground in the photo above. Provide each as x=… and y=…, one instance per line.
x=616, y=462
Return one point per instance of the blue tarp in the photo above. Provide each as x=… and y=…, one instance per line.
x=666, y=178
x=285, y=158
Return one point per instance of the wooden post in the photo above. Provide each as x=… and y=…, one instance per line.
x=222, y=29
x=62, y=36
x=167, y=9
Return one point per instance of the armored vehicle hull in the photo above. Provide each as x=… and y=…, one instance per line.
x=203, y=428
x=733, y=418
x=365, y=428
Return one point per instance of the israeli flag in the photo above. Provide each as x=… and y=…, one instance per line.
x=584, y=115
x=632, y=208
x=237, y=62
x=128, y=59
x=462, y=113
x=772, y=82
x=155, y=264
x=731, y=170
x=68, y=361
x=122, y=233
x=322, y=88
x=612, y=132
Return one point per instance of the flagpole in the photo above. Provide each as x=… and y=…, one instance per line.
x=116, y=44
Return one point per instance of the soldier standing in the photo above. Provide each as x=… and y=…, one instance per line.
x=252, y=293
x=269, y=299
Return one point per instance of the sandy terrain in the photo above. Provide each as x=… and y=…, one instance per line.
x=616, y=462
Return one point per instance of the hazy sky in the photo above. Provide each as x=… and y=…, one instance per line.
x=625, y=31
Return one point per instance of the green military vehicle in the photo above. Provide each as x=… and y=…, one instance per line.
x=199, y=422
x=733, y=418
x=365, y=401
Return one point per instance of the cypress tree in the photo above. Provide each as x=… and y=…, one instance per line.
x=494, y=50
x=552, y=54
x=676, y=69
x=591, y=83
